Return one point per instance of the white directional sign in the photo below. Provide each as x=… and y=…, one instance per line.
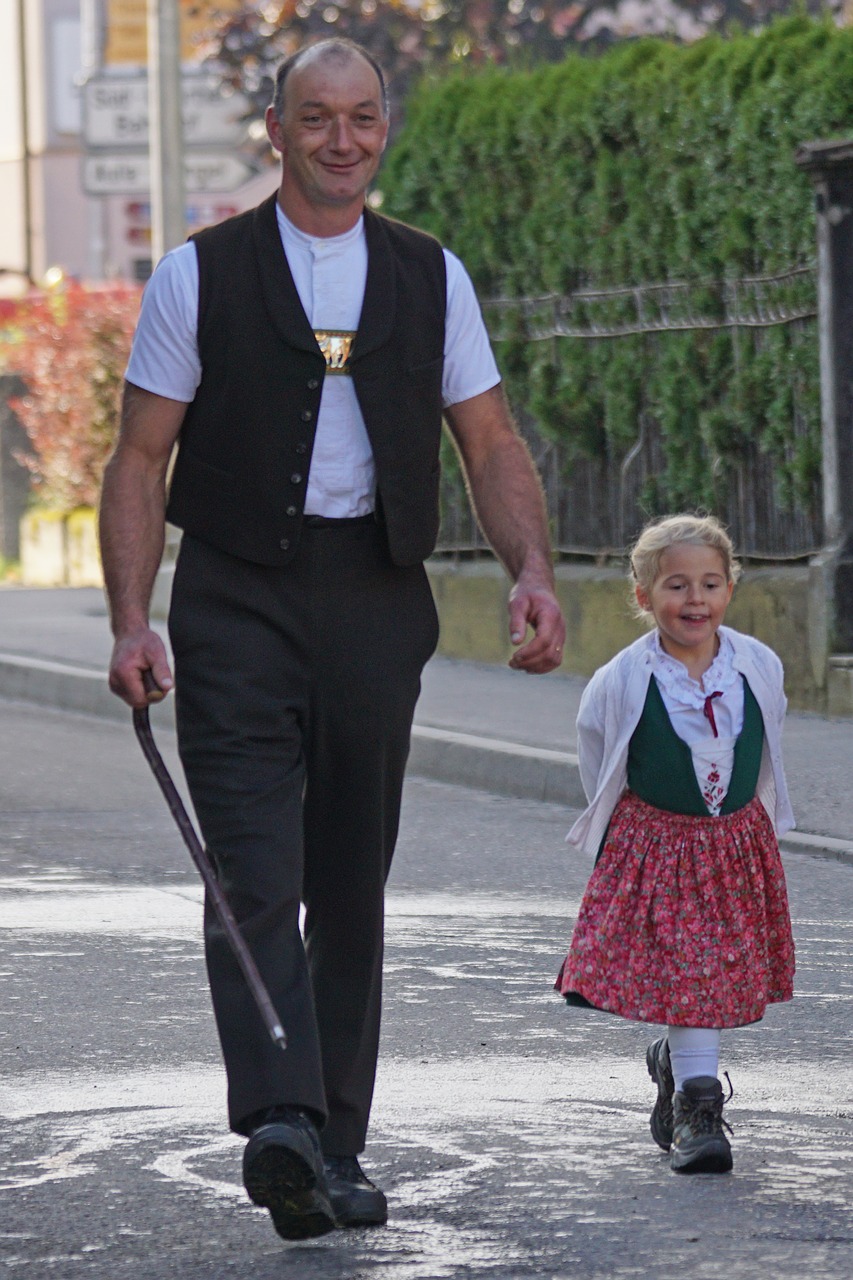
x=214, y=171
x=115, y=112
x=106, y=175
x=129, y=174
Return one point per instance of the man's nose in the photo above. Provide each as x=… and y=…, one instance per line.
x=341, y=137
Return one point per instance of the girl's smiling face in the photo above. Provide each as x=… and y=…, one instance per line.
x=688, y=600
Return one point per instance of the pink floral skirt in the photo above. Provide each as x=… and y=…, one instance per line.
x=685, y=920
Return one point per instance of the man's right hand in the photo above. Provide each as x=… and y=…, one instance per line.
x=132, y=656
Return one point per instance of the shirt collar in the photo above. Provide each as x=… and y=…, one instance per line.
x=680, y=686
x=291, y=234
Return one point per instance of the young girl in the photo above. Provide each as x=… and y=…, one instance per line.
x=685, y=919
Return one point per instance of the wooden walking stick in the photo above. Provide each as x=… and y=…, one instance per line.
x=201, y=858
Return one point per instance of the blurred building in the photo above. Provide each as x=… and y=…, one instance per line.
x=72, y=163
x=73, y=191
x=42, y=210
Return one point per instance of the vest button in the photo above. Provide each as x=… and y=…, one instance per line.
x=302, y=447
x=296, y=478
x=313, y=384
x=284, y=544
x=306, y=415
x=291, y=511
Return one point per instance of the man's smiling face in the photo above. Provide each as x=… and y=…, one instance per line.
x=331, y=135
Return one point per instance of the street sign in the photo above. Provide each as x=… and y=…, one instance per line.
x=115, y=112
x=199, y=213
x=214, y=171
x=106, y=175
x=202, y=212
x=128, y=174
x=127, y=33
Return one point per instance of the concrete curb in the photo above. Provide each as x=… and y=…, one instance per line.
x=60, y=685
x=443, y=755
x=492, y=764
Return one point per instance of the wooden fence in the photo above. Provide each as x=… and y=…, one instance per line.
x=597, y=506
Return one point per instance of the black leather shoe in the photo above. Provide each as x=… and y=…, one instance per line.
x=283, y=1172
x=356, y=1201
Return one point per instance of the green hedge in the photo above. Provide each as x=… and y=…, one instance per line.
x=652, y=162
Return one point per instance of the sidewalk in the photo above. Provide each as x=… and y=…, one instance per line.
x=476, y=725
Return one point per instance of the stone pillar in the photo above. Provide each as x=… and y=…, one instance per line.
x=14, y=478
x=830, y=167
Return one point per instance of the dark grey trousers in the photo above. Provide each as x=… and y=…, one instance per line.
x=295, y=691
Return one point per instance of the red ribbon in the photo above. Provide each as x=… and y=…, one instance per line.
x=709, y=709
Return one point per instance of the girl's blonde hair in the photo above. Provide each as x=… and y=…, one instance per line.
x=659, y=535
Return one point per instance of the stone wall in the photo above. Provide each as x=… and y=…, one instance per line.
x=783, y=606
x=773, y=604
x=60, y=549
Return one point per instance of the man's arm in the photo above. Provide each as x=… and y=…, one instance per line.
x=132, y=529
x=508, y=500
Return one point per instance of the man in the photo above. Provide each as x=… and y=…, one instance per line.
x=307, y=388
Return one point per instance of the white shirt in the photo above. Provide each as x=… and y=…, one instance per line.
x=610, y=711
x=329, y=274
x=710, y=734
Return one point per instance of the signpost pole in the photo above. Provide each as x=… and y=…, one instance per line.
x=166, y=144
x=96, y=212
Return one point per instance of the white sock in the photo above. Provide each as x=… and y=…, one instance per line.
x=693, y=1051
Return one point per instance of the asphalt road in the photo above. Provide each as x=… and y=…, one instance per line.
x=510, y=1133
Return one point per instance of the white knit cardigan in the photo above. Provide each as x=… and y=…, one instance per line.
x=610, y=710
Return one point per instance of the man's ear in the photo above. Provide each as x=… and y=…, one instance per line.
x=274, y=130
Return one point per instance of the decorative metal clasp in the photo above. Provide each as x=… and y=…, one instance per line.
x=335, y=345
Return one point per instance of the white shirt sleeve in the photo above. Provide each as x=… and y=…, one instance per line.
x=164, y=357
x=469, y=364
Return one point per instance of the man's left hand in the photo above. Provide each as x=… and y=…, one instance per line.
x=536, y=607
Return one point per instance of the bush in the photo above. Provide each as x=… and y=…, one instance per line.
x=70, y=346
x=650, y=163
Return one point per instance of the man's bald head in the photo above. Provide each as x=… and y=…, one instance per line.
x=337, y=49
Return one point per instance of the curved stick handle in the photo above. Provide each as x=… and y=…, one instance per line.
x=201, y=858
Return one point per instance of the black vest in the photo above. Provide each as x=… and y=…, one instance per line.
x=240, y=477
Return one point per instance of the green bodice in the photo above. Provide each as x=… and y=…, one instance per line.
x=660, y=764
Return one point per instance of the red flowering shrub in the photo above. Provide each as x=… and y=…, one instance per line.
x=70, y=346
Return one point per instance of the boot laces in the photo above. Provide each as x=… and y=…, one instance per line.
x=705, y=1115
